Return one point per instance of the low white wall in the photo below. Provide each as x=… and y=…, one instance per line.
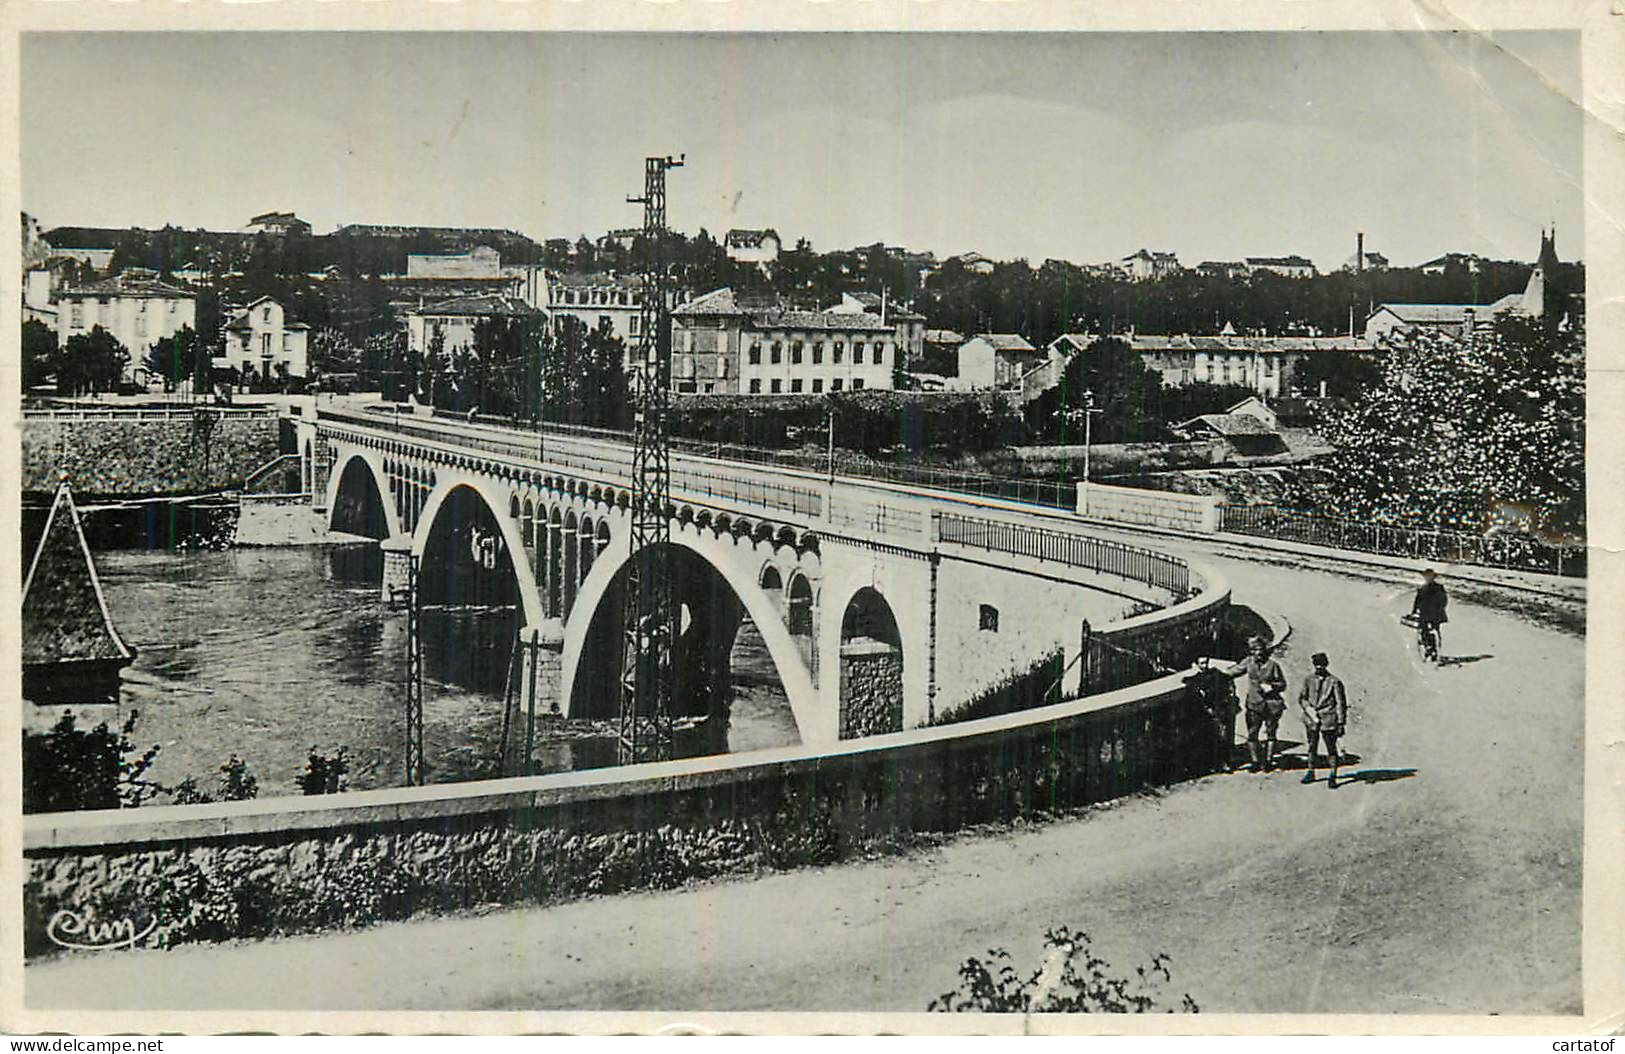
x=1149, y=508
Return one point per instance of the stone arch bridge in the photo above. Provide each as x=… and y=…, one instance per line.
x=882, y=609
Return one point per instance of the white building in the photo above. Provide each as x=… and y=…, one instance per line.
x=277, y=223
x=264, y=340
x=456, y=319
x=1145, y=266
x=757, y=247
x=721, y=346
x=135, y=307
x=1286, y=266
x=909, y=325
x=995, y=360
x=597, y=300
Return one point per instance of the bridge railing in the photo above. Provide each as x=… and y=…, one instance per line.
x=136, y=413
x=1096, y=554
x=1049, y=493
x=1513, y=551
x=784, y=497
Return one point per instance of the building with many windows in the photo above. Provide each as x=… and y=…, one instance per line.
x=134, y=306
x=1264, y=364
x=722, y=344
x=263, y=340
x=597, y=300
x=909, y=325
x=1144, y=266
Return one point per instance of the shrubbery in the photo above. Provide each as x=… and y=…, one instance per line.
x=1072, y=979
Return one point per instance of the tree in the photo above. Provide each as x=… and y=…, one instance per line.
x=173, y=358
x=1461, y=434
x=38, y=352
x=1129, y=394
x=1345, y=376
x=584, y=378
x=90, y=362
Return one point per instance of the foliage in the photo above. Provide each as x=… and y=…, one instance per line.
x=234, y=783
x=583, y=380
x=90, y=362
x=38, y=352
x=1345, y=376
x=872, y=422
x=176, y=358
x=324, y=773
x=1461, y=435
x=1133, y=404
x=1072, y=979
x=69, y=768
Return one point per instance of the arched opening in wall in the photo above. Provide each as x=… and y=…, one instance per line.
x=799, y=619
x=602, y=542
x=587, y=550
x=572, y=553
x=729, y=697
x=358, y=507
x=772, y=584
x=469, y=597
x=555, y=561
x=871, y=659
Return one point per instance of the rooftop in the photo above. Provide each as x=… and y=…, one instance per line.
x=742, y=238
x=64, y=613
x=1005, y=341
x=482, y=306
x=138, y=283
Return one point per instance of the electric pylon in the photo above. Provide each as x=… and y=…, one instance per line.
x=649, y=641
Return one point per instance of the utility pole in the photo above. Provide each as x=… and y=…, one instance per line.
x=650, y=631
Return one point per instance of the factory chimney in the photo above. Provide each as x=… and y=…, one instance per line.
x=1359, y=253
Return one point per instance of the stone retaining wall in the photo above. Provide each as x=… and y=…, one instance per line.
x=249, y=869
x=1149, y=508
x=123, y=456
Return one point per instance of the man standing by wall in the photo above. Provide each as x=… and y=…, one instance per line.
x=1325, y=709
x=1265, y=703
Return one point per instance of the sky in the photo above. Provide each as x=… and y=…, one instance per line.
x=1082, y=147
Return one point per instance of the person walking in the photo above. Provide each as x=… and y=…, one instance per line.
x=1325, y=708
x=1265, y=702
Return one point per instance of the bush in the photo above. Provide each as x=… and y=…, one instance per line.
x=69, y=768
x=1071, y=980
x=324, y=773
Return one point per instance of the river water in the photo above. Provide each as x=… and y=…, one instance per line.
x=270, y=653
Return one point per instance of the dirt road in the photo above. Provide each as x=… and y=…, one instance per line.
x=1445, y=878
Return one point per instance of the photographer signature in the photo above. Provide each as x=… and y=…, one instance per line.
x=69, y=930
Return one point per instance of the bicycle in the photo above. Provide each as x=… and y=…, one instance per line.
x=1427, y=637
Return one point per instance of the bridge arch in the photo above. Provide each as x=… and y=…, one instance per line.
x=450, y=506
x=588, y=628
x=358, y=502
x=871, y=666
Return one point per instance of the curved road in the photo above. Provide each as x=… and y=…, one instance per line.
x=1446, y=878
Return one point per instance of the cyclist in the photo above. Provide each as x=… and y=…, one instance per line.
x=1429, y=610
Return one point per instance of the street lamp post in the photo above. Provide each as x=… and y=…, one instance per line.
x=1089, y=413
x=831, y=447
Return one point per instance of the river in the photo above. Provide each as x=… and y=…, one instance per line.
x=270, y=653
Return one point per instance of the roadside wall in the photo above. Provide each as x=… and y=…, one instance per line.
x=1149, y=508
x=256, y=868
x=110, y=455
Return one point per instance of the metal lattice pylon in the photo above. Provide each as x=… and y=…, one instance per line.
x=650, y=630
x=414, y=679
